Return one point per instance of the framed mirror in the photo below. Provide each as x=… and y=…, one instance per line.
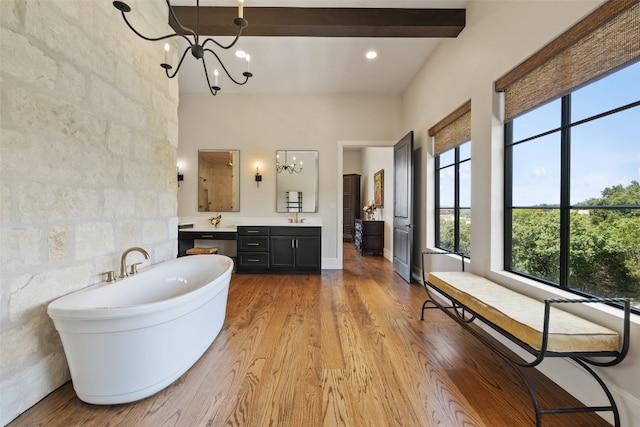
x=218, y=181
x=296, y=181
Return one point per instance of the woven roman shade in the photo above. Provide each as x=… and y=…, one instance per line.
x=603, y=42
x=453, y=130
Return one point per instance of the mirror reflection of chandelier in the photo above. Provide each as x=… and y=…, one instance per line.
x=291, y=168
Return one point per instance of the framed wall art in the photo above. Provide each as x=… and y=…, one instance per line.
x=378, y=188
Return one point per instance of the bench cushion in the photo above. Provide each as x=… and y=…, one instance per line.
x=523, y=316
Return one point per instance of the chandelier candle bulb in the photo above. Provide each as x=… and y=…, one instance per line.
x=215, y=74
x=248, y=58
x=196, y=46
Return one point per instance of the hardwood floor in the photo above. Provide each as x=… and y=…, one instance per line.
x=346, y=348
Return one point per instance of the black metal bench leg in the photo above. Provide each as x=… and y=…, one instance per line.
x=424, y=307
x=532, y=394
x=539, y=411
x=613, y=407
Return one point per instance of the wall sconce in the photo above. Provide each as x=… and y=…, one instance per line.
x=180, y=176
x=258, y=176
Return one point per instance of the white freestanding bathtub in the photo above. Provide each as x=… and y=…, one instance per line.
x=130, y=339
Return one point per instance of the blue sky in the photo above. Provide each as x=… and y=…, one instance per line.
x=605, y=152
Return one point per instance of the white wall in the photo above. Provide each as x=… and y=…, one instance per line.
x=352, y=162
x=499, y=35
x=258, y=125
x=88, y=147
x=373, y=160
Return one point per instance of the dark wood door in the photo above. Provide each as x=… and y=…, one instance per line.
x=403, y=206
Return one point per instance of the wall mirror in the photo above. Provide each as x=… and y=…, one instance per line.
x=296, y=181
x=218, y=181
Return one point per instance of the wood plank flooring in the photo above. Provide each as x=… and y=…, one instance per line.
x=345, y=348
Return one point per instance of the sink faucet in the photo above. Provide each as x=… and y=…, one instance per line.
x=123, y=259
x=295, y=219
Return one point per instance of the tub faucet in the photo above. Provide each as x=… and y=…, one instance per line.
x=123, y=259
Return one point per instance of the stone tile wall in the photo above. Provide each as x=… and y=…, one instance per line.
x=88, y=138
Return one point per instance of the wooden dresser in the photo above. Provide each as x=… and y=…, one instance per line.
x=369, y=237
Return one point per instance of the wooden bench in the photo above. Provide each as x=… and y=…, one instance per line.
x=539, y=327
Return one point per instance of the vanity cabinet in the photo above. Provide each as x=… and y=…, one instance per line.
x=187, y=238
x=295, y=249
x=253, y=248
x=369, y=236
x=279, y=249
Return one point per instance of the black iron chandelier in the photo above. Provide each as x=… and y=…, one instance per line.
x=291, y=168
x=197, y=48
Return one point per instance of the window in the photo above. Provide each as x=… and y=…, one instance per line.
x=452, y=151
x=572, y=192
x=453, y=199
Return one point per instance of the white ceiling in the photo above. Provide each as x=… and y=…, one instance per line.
x=313, y=65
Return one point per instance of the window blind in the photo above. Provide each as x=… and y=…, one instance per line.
x=453, y=130
x=605, y=41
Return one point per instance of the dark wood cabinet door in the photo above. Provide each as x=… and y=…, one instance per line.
x=350, y=204
x=282, y=252
x=307, y=253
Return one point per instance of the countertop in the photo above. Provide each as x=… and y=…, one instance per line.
x=232, y=227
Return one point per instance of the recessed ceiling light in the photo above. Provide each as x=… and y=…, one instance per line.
x=371, y=54
x=241, y=53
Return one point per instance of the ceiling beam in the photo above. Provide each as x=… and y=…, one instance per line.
x=325, y=22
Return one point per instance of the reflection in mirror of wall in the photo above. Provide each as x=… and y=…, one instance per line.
x=218, y=181
x=296, y=181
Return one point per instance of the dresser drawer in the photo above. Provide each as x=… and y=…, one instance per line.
x=248, y=260
x=253, y=244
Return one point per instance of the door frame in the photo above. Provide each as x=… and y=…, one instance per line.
x=340, y=147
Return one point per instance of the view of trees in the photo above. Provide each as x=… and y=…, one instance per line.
x=447, y=231
x=604, y=243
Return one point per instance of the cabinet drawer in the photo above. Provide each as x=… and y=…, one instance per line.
x=246, y=243
x=253, y=260
x=253, y=231
x=206, y=235
x=295, y=231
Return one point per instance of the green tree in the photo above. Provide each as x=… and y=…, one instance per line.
x=536, y=242
x=604, y=245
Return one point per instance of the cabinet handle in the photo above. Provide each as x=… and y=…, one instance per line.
x=292, y=244
x=253, y=244
x=296, y=243
x=209, y=236
x=253, y=231
x=253, y=260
